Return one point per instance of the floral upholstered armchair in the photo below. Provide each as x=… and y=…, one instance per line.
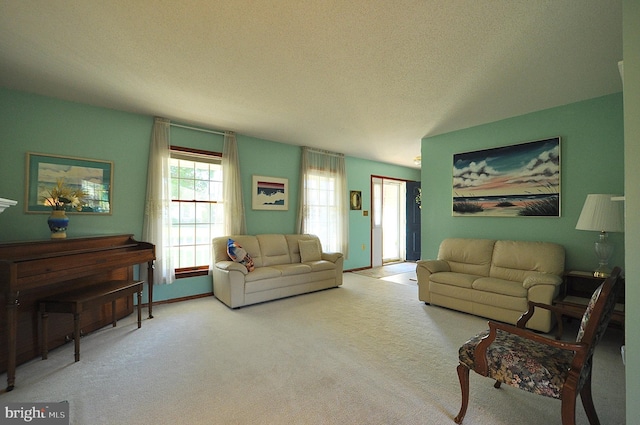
x=532, y=362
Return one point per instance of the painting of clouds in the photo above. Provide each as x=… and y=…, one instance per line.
x=94, y=177
x=520, y=180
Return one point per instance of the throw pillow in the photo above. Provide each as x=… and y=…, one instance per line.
x=309, y=250
x=239, y=254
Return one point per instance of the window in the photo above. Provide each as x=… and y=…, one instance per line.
x=324, y=202
x=197, y=213
x=322, y=210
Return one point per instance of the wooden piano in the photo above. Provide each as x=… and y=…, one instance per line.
x=31, y=271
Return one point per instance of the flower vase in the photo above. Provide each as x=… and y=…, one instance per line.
x=58, y=222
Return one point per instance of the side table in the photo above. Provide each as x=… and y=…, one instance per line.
x=577, y=290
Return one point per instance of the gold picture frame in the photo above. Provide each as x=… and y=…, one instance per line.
x=355, y=200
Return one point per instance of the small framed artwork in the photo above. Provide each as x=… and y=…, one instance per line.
x=355, y=200
x=270, y=193
x=91, y=176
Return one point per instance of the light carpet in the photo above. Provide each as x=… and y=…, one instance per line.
x=388, y=270
x=366, y=353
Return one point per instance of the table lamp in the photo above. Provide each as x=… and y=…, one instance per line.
x=602, y=214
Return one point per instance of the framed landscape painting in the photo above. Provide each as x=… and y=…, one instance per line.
x=270, y=193
x=92, y=176
x=521, y=180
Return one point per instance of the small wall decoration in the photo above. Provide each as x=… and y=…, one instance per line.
x=512, y=181
x=270, y=193
x=93, y=177
x=355, y=200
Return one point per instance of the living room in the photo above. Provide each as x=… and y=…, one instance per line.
x=597, y=136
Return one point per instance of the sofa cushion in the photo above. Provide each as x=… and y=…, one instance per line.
x=261, y=273
x=274, y=249
x=294, y=246
x=470, y=256
x=292, y=269
x=455, y=279
x=309, y=250
x=515, y=260
x=500, y=286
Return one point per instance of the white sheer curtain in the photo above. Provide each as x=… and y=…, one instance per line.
x=234, y=221
x=323, y=208
x=157, y=213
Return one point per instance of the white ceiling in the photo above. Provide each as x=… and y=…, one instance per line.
x=368, y=78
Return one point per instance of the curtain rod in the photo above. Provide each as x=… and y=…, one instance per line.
x=204, y=130
x=316, y=150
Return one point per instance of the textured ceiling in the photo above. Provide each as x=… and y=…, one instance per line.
x=368, y=78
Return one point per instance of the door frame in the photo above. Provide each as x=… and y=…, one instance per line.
x=373, y=212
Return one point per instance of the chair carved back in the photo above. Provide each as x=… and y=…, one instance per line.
x=596, y=318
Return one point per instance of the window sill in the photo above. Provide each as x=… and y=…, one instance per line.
x=186, y=272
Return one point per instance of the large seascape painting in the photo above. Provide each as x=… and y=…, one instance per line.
x=520, y=180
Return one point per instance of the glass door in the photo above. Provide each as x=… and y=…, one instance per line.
x=388, y=221
x=393, y=220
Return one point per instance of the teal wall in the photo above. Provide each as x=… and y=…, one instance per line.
x=592, y=155
x=359, y=172
x=32, y=123
x=265, y=158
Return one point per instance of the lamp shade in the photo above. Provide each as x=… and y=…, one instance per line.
x=600, y=213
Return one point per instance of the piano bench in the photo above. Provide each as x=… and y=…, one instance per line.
x=77, y=301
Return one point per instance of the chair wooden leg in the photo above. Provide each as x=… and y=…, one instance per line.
x=569, y=410
x=587, y=402
x=463, y=376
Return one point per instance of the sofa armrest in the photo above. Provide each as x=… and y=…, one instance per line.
x=541, y=279
x=434, y=266
x=231, y=265
x=424, y=269
x=331, y=256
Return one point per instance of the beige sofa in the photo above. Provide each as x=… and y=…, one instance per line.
x=282, y=268
x=493, y=279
